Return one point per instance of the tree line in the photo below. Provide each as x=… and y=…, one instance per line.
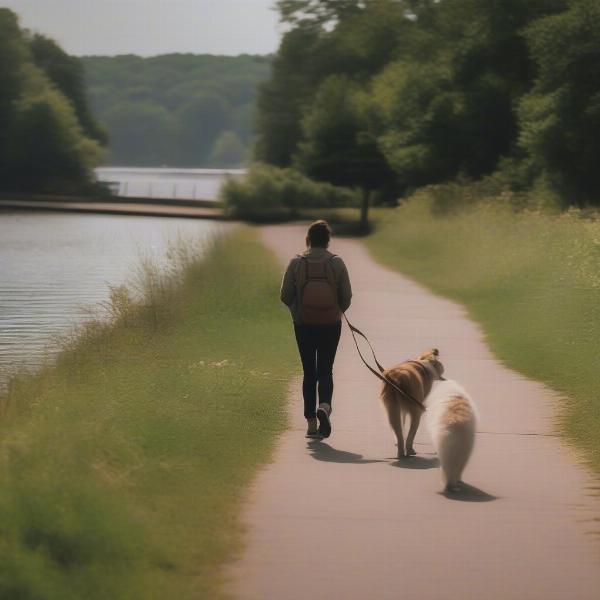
x=391, y=95
x=49, y=140
x=177, y=110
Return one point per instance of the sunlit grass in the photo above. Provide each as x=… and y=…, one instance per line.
x=122, y=468
x=531, y=279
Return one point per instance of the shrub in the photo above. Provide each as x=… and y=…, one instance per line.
x=270, y=193
x=515, y=185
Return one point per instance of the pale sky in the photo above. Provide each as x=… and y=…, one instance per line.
x=150, y=27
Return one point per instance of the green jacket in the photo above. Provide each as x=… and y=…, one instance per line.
x=289, y=288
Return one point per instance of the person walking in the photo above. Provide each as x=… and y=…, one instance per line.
x=316, y=288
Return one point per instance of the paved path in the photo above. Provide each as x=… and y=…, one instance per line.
x=345, y=520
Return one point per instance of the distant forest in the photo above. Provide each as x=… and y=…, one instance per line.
x=180, y=110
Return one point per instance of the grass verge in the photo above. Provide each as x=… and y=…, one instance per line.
x=532, y=280
x=123, y=466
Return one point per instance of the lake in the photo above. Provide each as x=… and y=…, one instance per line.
x=55, y=265
x=166, y=183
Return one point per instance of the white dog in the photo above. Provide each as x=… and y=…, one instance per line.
x=452, y=420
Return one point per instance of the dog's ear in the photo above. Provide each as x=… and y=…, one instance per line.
x=430, y=355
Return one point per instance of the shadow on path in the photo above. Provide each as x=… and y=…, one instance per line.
x=469, y=493
x=417, y=462
x=322, y=451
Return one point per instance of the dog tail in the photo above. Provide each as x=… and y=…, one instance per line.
x=388, y=394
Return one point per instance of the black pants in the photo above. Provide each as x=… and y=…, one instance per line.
x=317, y=345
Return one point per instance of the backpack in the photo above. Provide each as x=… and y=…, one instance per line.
x=317, y=292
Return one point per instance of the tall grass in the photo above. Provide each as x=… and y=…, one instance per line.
x=530, y=278
x=122, y=466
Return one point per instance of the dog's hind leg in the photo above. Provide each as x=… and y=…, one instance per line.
x=395, y=419
x=392, y=407
x=415, y=419
x=454, y=451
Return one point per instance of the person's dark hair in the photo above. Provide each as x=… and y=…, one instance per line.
x=319, y=234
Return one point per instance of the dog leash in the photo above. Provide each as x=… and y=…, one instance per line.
x=381, y=375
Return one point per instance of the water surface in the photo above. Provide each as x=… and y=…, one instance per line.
x=166, y=183
x=53, y=266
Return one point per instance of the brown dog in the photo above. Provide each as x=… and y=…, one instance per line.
x=414, y=378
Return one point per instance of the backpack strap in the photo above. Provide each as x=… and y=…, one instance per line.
x=329, y=269
x=305, y=261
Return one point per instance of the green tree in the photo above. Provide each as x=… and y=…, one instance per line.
x=560, y=117
x=200, y=122
x=365, y=40
x=419, y=114
x=66, y=72
x=42, y=144
x=282, y=99
x=140, y=133
x=328, y=37
x=13, y=55
x=242, y=121
x=317, y=12
x=456, y=88
x=228, y=150
x=448, y=107
x=337, y=145
x=49, y=152
x=491, y=69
